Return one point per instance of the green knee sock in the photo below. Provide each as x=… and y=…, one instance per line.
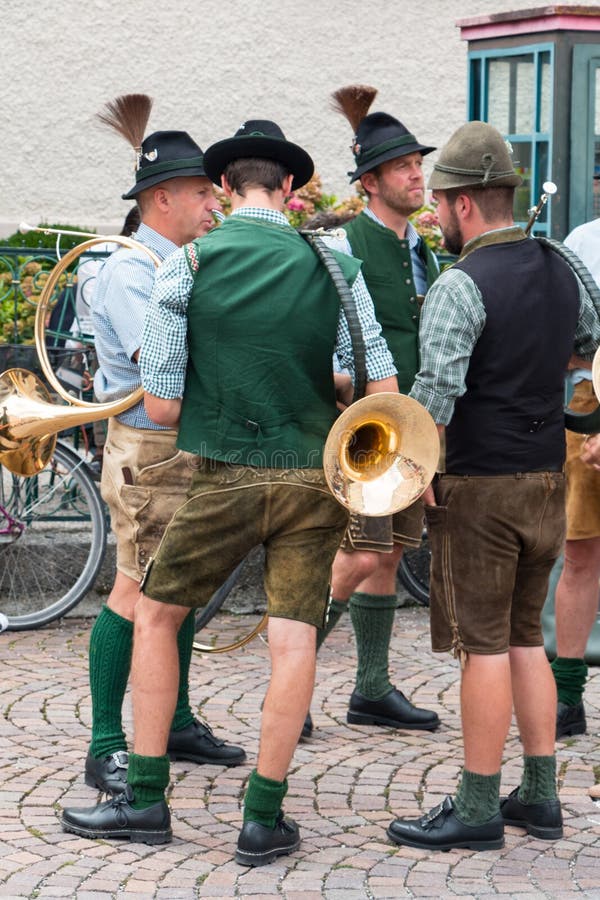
x=372, y=618
x=185, y=640
x=336, y=609
x=149, y=777
x=111, y=641
x=539, y=779
x=570, y=675
x=478, y=798
x=263, y=799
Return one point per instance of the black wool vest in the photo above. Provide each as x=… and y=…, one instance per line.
x=511, y=417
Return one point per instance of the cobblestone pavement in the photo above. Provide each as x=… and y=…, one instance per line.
x=345, y=786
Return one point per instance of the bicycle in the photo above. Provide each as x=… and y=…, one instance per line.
x=53, y=535
x=413, y=570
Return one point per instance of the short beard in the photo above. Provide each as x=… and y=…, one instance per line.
x=391, y=199
x=453, y=239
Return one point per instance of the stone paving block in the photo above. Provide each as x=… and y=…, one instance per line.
x=345, y=786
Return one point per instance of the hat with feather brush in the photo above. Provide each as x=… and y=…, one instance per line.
x=161, y=155
x=377, y=136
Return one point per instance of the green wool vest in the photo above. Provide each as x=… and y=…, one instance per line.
x=262, y=323
x=388, y=272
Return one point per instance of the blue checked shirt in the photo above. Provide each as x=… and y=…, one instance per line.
x=452, y=319
x=163, y=360
x=121, y=294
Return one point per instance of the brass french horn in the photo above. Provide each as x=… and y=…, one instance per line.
x=29, y=420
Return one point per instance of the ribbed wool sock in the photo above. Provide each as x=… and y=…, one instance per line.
x=185, y=644
x=149, y=777
x=263, y=799
x=570, y=675
x=539, y=779
x=478, y=798
x=111, y=641
x=336, y=608
x=372, y=618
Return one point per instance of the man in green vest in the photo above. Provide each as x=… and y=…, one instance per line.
x=237, y=352
x=398, y=268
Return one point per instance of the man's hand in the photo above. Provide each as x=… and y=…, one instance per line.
x=163, y=412
x=344, y=390
x=590, y=453
x=428, y=497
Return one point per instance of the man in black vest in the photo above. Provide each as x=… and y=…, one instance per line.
x=398, y=268
x=497, y=332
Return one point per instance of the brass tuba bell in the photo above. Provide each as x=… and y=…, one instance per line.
x=381, y=454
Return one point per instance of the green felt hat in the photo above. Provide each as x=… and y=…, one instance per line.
x=475, y=156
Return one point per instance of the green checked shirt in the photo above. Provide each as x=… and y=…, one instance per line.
x=164, y=352
x=452, y=320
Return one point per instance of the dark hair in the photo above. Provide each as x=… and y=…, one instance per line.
x=493, y=203
x=131, y=222
x=242, y=174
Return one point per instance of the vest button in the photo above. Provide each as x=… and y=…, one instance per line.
x=407, y=280
x=411, y=299
x=405, y=264
x=414, y=318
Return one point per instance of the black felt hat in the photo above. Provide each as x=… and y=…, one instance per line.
x=380, y=137
x=259, y=139
x=164, y=155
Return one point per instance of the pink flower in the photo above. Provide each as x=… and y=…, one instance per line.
x=294, y=203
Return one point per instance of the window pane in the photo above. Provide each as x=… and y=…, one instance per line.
x=499, y=94
x=511, y=94
x=522, y=162
x=525, y=97
x=545, y=92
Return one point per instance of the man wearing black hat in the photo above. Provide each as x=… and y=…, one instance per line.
x=144, y=476
x=398, y=268
x=497, y=332
x=237, y=350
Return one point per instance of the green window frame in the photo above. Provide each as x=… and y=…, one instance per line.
x=512, y=89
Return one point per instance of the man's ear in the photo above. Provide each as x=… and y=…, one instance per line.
x=369, y=182
x=463, y=206
x=286, y=185
x=161, y=199
x=226, y=187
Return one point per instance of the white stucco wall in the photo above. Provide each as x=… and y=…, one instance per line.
x=208, y=64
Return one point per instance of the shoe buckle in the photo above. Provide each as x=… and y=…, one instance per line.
x=444, y=807
x=121, y=759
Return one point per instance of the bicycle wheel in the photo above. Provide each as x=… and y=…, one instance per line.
x=52, y=541
x=413, y=570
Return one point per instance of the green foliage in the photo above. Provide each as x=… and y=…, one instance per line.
x=39, y=240
x=23, y=275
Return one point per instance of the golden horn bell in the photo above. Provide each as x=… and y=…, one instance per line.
x=30, y=421
x=381, y=454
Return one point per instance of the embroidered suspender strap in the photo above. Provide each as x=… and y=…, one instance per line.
x=349, y=307
x=191, y=256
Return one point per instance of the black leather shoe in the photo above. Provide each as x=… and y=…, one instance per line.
x=307, y=728
x=118, y=819
x=441, y=830
x=570, y=720
x=109, y=773
x=542, y=820
x=393, y=710
x=198, y=744
x=258, y=845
